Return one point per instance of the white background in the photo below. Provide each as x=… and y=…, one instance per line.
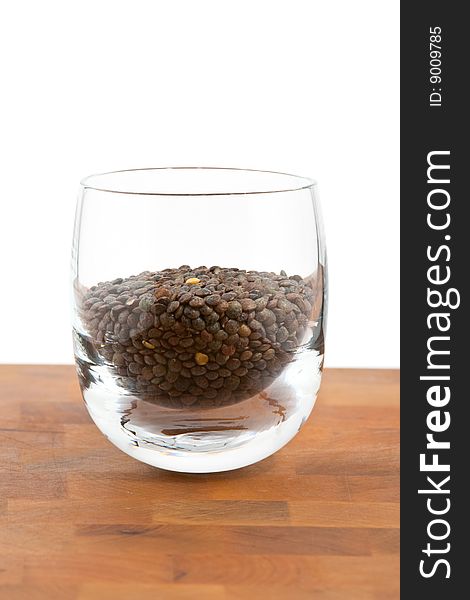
x=304, y=86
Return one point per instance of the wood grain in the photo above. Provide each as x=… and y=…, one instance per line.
x=81, y=520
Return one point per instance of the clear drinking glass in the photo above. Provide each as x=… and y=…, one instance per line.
x=199, y=312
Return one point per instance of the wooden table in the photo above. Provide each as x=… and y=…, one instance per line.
x=79, y=519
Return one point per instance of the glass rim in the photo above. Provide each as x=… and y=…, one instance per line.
x=89, y=183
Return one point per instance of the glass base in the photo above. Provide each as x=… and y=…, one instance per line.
x=206, y=440
x=202, y=452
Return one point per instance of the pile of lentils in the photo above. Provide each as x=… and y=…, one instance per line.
x=199, y=337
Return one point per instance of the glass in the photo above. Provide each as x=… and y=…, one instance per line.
x=199, y=312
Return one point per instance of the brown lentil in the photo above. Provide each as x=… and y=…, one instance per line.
x=198, y=337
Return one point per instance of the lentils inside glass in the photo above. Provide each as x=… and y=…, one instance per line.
x=197, y=337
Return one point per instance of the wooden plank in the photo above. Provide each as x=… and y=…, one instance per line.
x=81, y=520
